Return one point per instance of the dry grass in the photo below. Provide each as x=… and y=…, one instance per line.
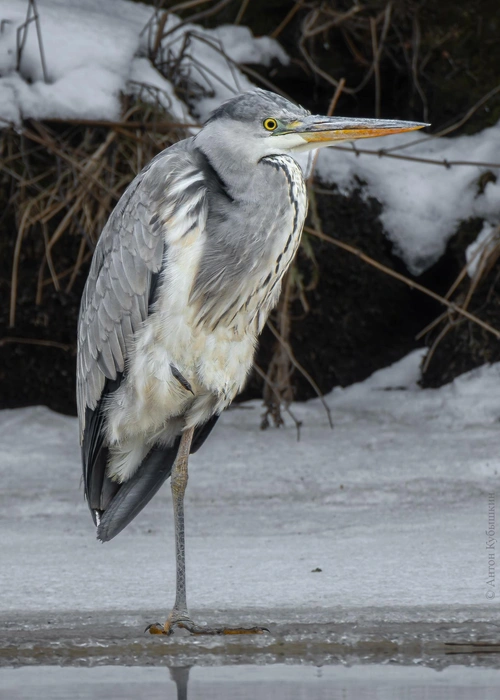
x=473, y=274
x=65, y=180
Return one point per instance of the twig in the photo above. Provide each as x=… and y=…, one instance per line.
x=376, y=65
x=86, y=258
x=430, y=326
x=15, y=265
x=91, y=163
x=414, y=66
x=198, y=15
x=338, y=18
x=487, y=258
x=32, y=8
x=287, y=408
x=264, y=81
x=33, y=341
x=241, y=11
x=78, y=264
x=454, y=126
x=164, y=127
x=319, y=71
x=287, y=19
x=48, y=255
x=444, y=331
x=406, y=280
x=383, y=153
x=331, y=109
x=302, y=370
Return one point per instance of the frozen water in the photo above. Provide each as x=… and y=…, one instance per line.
x=249, y=682
x=391, y=506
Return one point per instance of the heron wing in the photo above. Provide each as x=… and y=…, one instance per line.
x=120, y=291
x=116, y=297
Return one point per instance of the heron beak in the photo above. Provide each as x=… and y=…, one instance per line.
x=322, y=131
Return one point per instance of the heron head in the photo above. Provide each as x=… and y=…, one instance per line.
x=260, y=123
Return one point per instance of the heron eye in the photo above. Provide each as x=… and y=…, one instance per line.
x=270, y=124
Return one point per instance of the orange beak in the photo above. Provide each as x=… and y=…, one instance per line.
x=325, y=130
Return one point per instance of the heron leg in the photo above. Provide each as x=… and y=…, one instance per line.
x=179, y=616
x=178, y=483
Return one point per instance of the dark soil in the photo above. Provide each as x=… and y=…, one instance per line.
x=466, y=345
x=30, y=371
x=361, y=319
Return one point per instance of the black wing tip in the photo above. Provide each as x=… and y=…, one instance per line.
x=105, y=533
x=101, y=530
x=134, y=494
x=117, y=520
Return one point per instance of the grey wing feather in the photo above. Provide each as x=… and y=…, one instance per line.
x=118, y=297
x=115, y=301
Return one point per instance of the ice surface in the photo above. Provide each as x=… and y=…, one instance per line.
x=281, y=682
x=391, y=505
x=95, y=50
x=422, y=203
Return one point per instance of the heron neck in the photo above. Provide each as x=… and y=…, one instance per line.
x=236, y=168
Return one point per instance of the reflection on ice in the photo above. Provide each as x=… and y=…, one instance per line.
x=383, y=682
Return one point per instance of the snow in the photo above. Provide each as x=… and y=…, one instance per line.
x=146, y=82
x=88, y=49
x=95, y=51
x=391, y=505
x=217, y=76
x=423, y=203
x=478, y=252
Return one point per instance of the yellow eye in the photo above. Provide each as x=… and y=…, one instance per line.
x=270, y=124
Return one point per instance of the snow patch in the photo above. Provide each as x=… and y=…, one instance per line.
x=393, y=395
x=96, y=51
x=151, y=86
x=479, y=251
x=423, y=204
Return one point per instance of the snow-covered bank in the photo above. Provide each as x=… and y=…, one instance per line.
x=95, y=51
x=423, y=203
x=392, y=506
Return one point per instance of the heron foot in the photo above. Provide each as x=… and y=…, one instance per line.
x=187, y=624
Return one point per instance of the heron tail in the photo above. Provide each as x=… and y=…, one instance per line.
x=129, y=498
x=135, y=493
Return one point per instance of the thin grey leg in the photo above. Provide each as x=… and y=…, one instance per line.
x=178, y=484
x=179, y=617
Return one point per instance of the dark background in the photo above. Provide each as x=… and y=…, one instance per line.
x=344, y=318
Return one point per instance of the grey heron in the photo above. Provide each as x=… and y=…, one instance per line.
x=183, y=278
